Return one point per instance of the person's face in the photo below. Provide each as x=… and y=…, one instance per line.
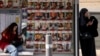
x=46, y=24
x=87, y=14
x=54, y=4
x=60, y=34
x=9, y=3
x=61, y=15
x=38, y=36
x=30, y=3
x=54, y=46
x=69, y=15
x=15, y=28
x=38, y=6
x=32, y=15
x=47, y=4
x=60, y=3
x=38, y=14
x=1, y=3
x=53, y=14
x=68, y=4
x=68, y=25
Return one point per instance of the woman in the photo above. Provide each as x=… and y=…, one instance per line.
x=87, y=24
x=9, y=35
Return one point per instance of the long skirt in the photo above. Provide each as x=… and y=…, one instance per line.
x=88, y=47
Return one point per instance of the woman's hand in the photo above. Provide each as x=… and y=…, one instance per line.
x=90, y=23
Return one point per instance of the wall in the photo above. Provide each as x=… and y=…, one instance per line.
x=93, y=5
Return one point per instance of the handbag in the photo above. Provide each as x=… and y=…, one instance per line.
x=17, y=42
x=86, y=35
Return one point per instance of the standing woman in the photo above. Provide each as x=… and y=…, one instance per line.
x=88, y=24
x=8, y=36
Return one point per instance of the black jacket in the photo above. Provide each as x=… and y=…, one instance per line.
x=91, y=29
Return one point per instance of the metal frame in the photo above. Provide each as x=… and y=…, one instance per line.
x=76, y=12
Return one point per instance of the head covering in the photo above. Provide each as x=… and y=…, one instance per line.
x=83, y=11
x=82, y=16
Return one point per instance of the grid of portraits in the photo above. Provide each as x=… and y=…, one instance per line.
x=47, y=15
x=49, y=25
x=10, y=3
x=50, y=5
x=54, y=17
x=37, y=4
x=62, y=47
x=61, y=41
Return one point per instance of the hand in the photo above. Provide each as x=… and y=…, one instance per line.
x=89, y=23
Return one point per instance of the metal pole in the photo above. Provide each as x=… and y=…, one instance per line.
x=48, y=45
x=76, y=12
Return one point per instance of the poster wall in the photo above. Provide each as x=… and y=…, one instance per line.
x=49, y=16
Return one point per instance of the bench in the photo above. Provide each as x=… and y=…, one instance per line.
x=23, y=53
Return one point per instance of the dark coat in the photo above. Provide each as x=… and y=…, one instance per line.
x=91, y=29
x=94, y=27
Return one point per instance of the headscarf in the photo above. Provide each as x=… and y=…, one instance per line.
x=82, y=16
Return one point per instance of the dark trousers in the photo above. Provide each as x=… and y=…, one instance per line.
x=88, y=47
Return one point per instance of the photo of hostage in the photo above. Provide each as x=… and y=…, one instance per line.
x=46, y=5
x=38, y=16
x=69, y=6
x=69, y=16
x=10, y=4
x=53, y=15
x=53, y=5
x=60, y=16
x=37, y=5
x=61, y=5
x=11, y=42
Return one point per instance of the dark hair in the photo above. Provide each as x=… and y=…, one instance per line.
x=9, y=30
x=68, y=3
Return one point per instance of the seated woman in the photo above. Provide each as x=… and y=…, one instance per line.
x=9, y=36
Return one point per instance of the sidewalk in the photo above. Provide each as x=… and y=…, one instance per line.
x=97, y=51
